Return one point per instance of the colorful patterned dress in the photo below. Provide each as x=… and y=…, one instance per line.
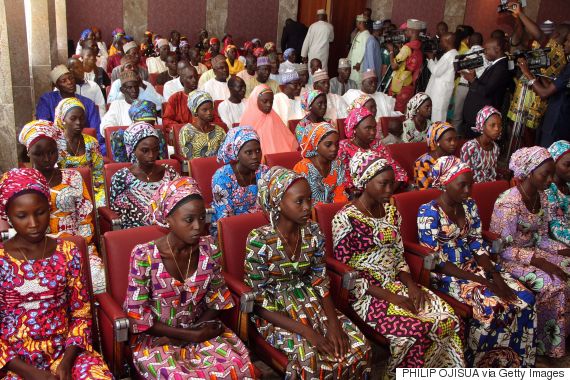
x=422, y=167
x=305, y=124
x=500, y=333
x=129, y=196
x=229, y=198
x=92, y=159
x=558, y=214
x=373, y=246
x=324, y=190
x=195, y=143
x=411, y=134
x=530, y=239
x=45, y=313
x=154, y=295
x=295, y=289
x=482, y=162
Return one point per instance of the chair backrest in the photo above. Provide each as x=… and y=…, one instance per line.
x=323, y=215
x=408, y=205
x=202, y=170
x=217, y=104
x=406, y=155
x=340, y=123
x=233, y=232
x=118, y=247
x=285, y=159
x=460, y=143
x=292, y=124
x=90, y=131
x=485, y=194
x=385, y=121
x=176, y=131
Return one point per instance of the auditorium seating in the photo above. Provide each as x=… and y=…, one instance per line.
x=384, y=122
x=202, y=170
x=286, y=159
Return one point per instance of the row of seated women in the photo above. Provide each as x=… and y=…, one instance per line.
x=519, y=302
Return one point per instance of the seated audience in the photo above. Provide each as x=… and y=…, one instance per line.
x=157, y=65
x=217, y=87
x=213, y=51
x=384, y=102
x=342, y=83
x=286, y=103
x=314, y=104
x=234, y=64
x=94, y=73
x=441, y=141
x=176, y=110
x=395, y=132
x=418, y=118
x=174, y=85
x=289, y=59
x=558, y=193
x=336, y=106
x=146, y=91
x=303, y=72
x=262, y=71
x=231, y=109
x=84, y=87
x=171, y=72
x=133, y=52
x=250, y=70
x=274, y=67
x=118, y=113
x=194, y=58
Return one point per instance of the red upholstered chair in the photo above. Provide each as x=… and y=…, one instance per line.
x=460, y=143
x=152, y=78
x=485, y=194
x=88, y=180
x=340, y=123
x=216, y=105
x=202, y=170
x=159, y=88
x=285, y=159
x=90, y=131
x=235, y=125
x=385, y=121
x=177, y=149
x=292, y=124
x=406, y=155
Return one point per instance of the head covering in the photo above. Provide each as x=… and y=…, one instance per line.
x=269, y=45
x=308, y=97
x=255, y=40
x=247, y=45
x=168, y=195
x=217, y=59
x=288, y=77
x=129, y=76
x=559, y=149
x=364, y=166
x=85, y=34
x=129, y=45
x=272, y=187
x=161, y=42
x=235, y=139
x=263, y=61
x=319, y=75
x=482, y=116
x=359, y=102
x=360, y=18
x=415, y=103
x=525, y=160
x=301, y=67
x=415, y=24
x=134, y=134
x=14, y=181
x=435, y=131
x=311, y=139
x=377, y=25
x=38, y=129
x=126, y=59
x=117, y=33
x=287, y=53
x=321, y=12
x=354, y=118
x=183, y=43
x=129, y=38
x=57, y=72
x=344, y=63
x=214, y=40
x=196, y=98
x=63, y=107
x=258, y=52
x=369, y=74
x=142, y=110
x=446, y=169
x=229, y=47
x=547, y=27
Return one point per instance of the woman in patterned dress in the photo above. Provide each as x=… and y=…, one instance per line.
x=521, y=217
x=501, y=331
x=320, y=164
x=234, y=185
x=423, y=330
x=285, y=267
x=77, y=149
x=314, y=103
x=175, y=294
x=202, y=138
x=132, y=187
x=482, y=153
x=45, y=312
x=558, y=193
x=418, y=114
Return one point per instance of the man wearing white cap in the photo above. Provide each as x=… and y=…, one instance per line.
x=157, y=65
x=342, y=83
x=358, y=48
x=319, y=36
x=336, y=106
x=287, y=103
x=373, y=51
x=131, y=49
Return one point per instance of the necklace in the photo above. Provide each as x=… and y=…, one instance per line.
x=251, y=174
x=453, y=208
x=365, y=208
x=175, y=262
x=320, y=168
x=28, y=261
x=147, y=175
x=76, y=150
x=533, y=207
x=292, y=254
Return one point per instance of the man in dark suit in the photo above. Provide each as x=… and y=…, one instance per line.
x=294, y=33
x=489, y=88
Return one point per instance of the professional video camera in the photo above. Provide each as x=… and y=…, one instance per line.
x=396, y=38
x=536, y=59
x=469, y=61
x=504, y=6
x=429, y=44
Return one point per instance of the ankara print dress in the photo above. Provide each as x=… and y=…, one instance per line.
x=530, y=239
x=374, y=248
x=195, y=143
x=501, y=333
x=324, y=190
x=296, y=288
x=154, y=295
x=44, y=309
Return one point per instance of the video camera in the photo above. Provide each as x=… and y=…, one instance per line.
x=469, y=61
x=396, y=38
x=536, y=59
x=504, y=6
x=429, y=44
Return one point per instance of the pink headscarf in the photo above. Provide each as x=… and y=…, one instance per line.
x=274, y=136
x=354, y=118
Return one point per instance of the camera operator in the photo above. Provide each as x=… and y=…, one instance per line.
x=556, y=125
x=406, y=65
x=442, y=80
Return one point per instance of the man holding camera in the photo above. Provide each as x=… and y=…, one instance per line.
x=442, y=80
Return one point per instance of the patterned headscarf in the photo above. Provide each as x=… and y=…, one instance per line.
x=15, y=181
x=435, y=131
x=446, y=169
x=168, y=195
x=415, y=103
x=258, y=52
x=359, y=102
x=288, y=77
x=482, y=116
x=134, y=134
x=559, y=149
x=235, y=139
x=85, y=34
x=269, y=46
x=364, y=166
x=183, y=43
x=214, y=40
x=287, y=53
x=308, y=97
x=38, y=129
x=247, y=45
x=311, y=139
x=229, y=47
x=525, y=160
x=196, y=98
x=142, y=110
x=63, y=107
x=117, y=33
x=354, y=118
x=272, y=186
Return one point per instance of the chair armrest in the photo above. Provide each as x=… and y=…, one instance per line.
x=419, y=250
x=110, y=218
x=348, y=274
x=107, y=160
x=114, y=312
x=246, y=297
x=183, y=162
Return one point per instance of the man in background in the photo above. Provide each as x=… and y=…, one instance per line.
x=318, y=39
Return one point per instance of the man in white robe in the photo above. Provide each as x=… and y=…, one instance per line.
x=287, y=103
x=231, y=109
x=319, y=36
x=358, y=48
x=384, y=103
x=217, y=87
x=336, y=106
x=442, y=80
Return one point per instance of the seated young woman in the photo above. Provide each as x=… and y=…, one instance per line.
x=418, y=114
x=132, y=187
x=70, y=200
x=274, y=135
x=180, y=272
x=521, y=217
x=558, y=193
x=285, y=267
x=46, y=310
x=482, y=152
x=423, y=330
x=314, y=104
x=501, y=331
x=360, y=129
x=441, y=141
x=321, y=166
x=78, y=149
x=234, y=185
x=201, y=138
x=365, y=101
